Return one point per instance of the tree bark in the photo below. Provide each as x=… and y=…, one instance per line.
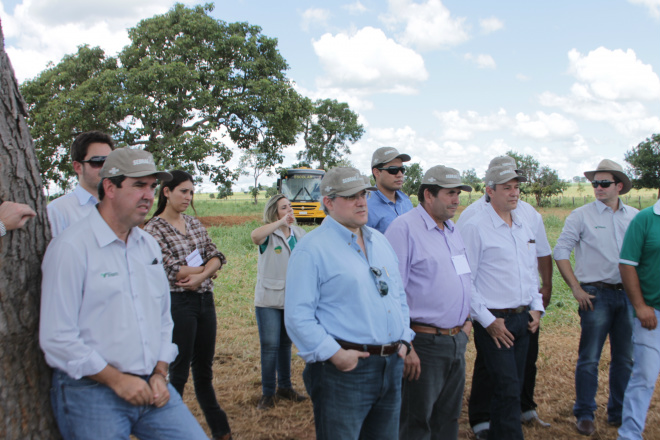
x=25, y=411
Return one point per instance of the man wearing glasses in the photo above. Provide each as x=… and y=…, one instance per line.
x=596, y=231
x=345, y=309
x=88, y=153
x=436, y=277
x=388, y=202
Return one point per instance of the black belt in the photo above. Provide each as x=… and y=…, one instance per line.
x=601, y=285
x=520, y=309
x=379, y=350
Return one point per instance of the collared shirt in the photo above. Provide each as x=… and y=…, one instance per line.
x=596, y=232
x=503, y=264
x=104, y=301
x=331, y=293
x=177, y=246
x=524, y=210
x=436, y=294
x=382, y=210
x=70, y=208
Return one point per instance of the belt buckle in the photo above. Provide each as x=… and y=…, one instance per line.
x=382, y=350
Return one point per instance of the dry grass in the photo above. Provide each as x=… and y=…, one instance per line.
x=237, y=376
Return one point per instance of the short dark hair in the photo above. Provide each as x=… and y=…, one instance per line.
x=81, y=144
x=433, y=189
x=116, y=181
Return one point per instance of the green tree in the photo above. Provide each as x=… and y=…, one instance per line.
x=224, y=190
x=271, y=190
x=542, y=181
x=644, y=160
x=469, y=177
x=413, y=180
x=185, y=88
x=327, y=132
x=255, y=163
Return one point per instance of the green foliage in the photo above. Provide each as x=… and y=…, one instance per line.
x=413, y=180
x=256, y=163
x=328, y=129
x=469, y=177
x=225, y=190
x=542, y=181
x=645, y=163
x=271, y=190
x=211, y=196
x=184, y=77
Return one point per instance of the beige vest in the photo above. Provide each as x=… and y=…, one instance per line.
x=271, y=270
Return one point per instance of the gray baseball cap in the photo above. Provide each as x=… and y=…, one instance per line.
x=502, y=174
x=387, y=154
x=344, y=182
x=500, y=161
x=609, y=166
x=131, y=162
x=444, y=177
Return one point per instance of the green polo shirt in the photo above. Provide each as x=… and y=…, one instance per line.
x=641, y=248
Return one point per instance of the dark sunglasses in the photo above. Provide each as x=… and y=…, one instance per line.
x=95, y=161
x=602, y=183
x=394, y=170
x=381, y=285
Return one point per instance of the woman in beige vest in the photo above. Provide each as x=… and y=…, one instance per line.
x=276, y=239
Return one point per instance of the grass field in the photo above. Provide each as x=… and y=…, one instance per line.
x=237, y=368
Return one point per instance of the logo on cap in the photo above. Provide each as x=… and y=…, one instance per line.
x=113, y=170
x=351, y=179
x=142, y=161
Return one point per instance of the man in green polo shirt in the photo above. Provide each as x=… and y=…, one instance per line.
x=640, y=272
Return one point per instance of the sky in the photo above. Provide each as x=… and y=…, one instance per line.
x=449, y=82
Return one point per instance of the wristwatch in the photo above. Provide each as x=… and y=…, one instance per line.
x=408, y=346
x=3, y=229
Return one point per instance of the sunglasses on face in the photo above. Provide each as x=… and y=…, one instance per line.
x=602, y=183
x=381, y=285
x=95, y=161
x=394, y=170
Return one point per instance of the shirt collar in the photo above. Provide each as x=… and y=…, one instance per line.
x=397, y=197
x=344, y=232
x=83, y=195
x=105, y=235
x=497, y=220
x=430, y=223
x=602, y=206
x=656, y=207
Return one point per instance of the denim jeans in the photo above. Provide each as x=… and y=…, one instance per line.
x=640, y=388
x=363, y=403
x=431, y=405
x=86, y=409
x=612, y=315
x=194, y=333
x=505, y=368
x=275, y=350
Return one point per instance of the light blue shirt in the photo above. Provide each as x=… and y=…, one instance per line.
x=382, y=211
x=331, y=292
x=105, y=301
x=70, y=208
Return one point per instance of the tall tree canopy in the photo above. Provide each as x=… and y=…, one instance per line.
x=186, y=88
x=328, y=130
x=542, y=181
x=644, y=160
x=413, y=179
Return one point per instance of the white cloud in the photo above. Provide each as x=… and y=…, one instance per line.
x=522, y=77
x=462, y=128
x=483, y=61
x=355, y=8
x=427, y=26
x=368, y=62
x=544, y=126
x=653, y=5
x=314, y=16
x=489, y=25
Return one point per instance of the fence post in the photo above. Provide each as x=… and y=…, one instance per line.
x=573, y=200
x=640, y=202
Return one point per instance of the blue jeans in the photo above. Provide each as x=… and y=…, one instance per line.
x=363, y=403
x=194, y=333
x=612, y=315
x=275, y=350
x=505, y=368
x=86, y=409
x=642, y=382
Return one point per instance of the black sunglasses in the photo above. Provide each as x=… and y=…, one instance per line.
x=382, y=286
x=602, y=183
x=95, y=161
x=394, y=170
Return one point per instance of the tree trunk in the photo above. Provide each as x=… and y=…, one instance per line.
x=25, y=411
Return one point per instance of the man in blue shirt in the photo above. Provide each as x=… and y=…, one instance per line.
x=388, y=202
x=345, y=309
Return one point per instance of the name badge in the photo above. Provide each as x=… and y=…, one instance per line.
x=194, y=259
x=461, y=264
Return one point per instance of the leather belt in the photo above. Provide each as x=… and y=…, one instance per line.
x=378, y=350
x=429, y=329
x=601, y=285
x=520, y=309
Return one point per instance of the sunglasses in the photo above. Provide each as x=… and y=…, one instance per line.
x=394, y=170
x=381, y=285
x=602, y=183
x=95, y=161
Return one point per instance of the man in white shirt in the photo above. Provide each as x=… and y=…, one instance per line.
x=596, y=232
x=105, y=324
x=88, y=152
x=506, y=304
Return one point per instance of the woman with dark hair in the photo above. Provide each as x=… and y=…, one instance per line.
x=276, y=239
x=191, y=261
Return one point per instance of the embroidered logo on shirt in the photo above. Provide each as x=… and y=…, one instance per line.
x=109, y=274
x=278, y=250
x=599, y=227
